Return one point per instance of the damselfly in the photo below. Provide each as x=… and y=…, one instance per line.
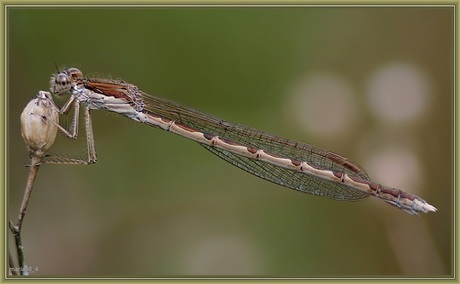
x=279, y=160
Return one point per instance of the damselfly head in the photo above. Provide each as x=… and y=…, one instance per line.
x=62, y=82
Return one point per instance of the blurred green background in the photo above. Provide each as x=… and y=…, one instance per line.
x=157, y=205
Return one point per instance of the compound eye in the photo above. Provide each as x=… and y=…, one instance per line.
x=74, y=73
x=62, y=80
x=61, y=84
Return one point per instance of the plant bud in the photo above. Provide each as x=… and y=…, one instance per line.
x=37, y=129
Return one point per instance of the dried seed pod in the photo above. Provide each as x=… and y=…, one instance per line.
x=36, y=128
